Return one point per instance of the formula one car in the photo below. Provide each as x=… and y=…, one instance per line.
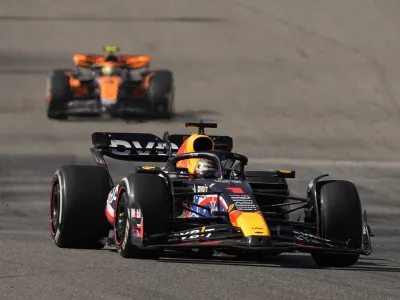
x=114, y=84
x=202, y=200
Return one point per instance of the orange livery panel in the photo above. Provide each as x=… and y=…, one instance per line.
x=196, y=142
x=133, y=61
x=136, y=61
x=87, y=60
x=109, y=87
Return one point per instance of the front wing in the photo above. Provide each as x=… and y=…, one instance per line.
x=225, y=237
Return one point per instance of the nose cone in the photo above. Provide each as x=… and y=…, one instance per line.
x=109, y=87
x=253, y=226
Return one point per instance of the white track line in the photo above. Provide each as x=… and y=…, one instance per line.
x=323, y=162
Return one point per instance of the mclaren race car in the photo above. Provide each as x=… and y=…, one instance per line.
x=117, y=85
x=201, y=199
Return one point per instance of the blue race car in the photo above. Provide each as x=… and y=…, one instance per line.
x=201, y=198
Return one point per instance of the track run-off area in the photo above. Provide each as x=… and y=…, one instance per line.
x=308, y=85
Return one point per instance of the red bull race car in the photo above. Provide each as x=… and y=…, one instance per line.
x=201, y=199
x=116, y=85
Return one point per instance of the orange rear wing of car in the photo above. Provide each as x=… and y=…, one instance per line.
x=132, y=61
x=136, y=61
x=87, y=60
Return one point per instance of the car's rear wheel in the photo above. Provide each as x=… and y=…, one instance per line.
x=143, y=208
x=77, y=206
x=58, y=93
x=161, y=93
x=341, y=218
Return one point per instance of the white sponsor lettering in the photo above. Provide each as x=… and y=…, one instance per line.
x=116, y=143
x=112, y=196
x=159, y=147
x=200, y=189
x=136, y=213
x=195, y=234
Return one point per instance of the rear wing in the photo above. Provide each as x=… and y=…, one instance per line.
x=144, y=147
x=132, y=61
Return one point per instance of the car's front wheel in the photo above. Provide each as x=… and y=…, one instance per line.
x=341, y=218
x=143, y=209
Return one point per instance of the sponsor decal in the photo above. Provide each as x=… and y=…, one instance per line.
x=213, y=202
x=200, y=188
x=193, y=234
x=227, y=181
x=158, y=147
x=244, y=203
x=136, y=213
x=112, y=195
x=236, y=190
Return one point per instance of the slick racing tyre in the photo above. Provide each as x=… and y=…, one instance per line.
x=143, y=208
x=77, y=206
x=341, y=218
x=58, y=93
x=161, y=93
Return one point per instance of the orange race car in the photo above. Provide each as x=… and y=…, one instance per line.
x=114, y=84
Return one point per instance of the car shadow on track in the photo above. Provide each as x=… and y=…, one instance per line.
x=366, y=266
x=290, y=261
x=138, y=119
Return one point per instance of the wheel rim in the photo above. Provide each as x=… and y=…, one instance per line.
x=121, y=219
x=55, y=209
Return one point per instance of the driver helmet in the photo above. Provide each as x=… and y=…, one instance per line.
x=206, y=169
x=107, y=70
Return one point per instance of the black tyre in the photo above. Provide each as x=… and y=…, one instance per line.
x=341, y=218
x=266, y=182
x=161, y=93
x=77, y=206
x=143, y=208
x=59, y=93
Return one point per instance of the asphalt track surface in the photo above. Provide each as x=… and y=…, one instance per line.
x=297, y=84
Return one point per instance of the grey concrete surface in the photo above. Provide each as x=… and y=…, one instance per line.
x=291, y=81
